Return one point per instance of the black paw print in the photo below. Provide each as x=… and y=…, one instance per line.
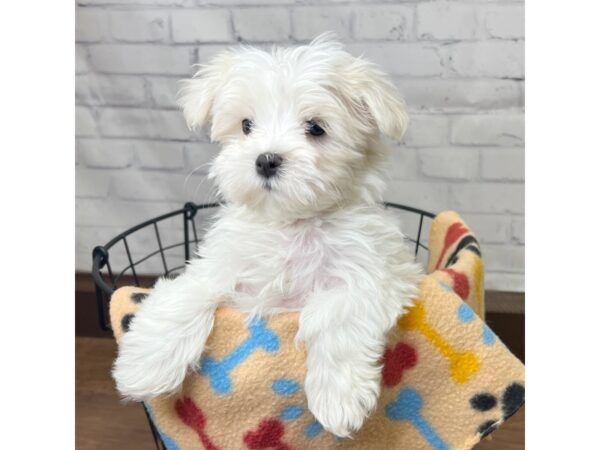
x=469, y=243
x=136, y=297
x=139, y=297
x=512, y=399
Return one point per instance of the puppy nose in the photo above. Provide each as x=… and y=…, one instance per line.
x=267, y=164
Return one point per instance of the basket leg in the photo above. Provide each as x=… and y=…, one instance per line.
x=160, y=445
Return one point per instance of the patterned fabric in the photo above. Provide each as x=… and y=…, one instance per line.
x=447, y=379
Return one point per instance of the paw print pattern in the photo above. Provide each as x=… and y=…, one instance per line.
x=136, y=297
x=512, y=399
x=458, y=236
x=455, y=231
x=126, y=322
x=286, y=387
x=139, y=297
x=468, y=243
x=313, y=429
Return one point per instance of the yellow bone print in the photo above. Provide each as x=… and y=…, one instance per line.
x=462, y=364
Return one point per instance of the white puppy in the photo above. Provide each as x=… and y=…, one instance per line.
x=302, y=229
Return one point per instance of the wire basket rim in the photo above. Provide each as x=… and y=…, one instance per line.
x=100, y=253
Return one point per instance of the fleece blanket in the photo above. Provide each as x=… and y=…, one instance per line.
x=447, y=379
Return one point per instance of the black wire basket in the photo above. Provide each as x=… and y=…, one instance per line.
x=118, y=263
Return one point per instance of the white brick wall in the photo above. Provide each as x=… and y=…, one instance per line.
x=307, y=22
x=213, y=25
x=385, y=22
x=139, y=26
x=447, y=21
x=262, y=24
x=459, y=65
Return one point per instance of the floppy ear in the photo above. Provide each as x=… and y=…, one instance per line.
x=374, y=97
x=197, y=95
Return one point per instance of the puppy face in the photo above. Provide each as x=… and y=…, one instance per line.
x=299, y=127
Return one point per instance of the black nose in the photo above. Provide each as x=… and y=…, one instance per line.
x=267, y=164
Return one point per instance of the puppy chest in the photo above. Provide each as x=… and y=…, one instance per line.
x=294, y=265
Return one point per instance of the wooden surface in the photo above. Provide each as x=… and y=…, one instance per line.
x=510, y=436
x=104, y=423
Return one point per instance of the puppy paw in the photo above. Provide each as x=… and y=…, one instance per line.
x=144, y=370
x=339, y=403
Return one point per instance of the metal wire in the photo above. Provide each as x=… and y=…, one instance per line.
x=162, y=252
x=107, y=282
x=160, y=445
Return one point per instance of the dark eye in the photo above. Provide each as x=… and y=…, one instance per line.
x=314, y=129
x=247, y=126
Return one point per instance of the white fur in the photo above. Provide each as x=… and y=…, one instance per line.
x=314, y=240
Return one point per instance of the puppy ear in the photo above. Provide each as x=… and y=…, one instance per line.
x=374, y=97
x=197, y=95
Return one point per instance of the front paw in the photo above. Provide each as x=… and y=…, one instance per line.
x=143, y=371
x=340, y=403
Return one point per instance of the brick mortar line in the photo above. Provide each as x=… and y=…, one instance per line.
x=292, y=4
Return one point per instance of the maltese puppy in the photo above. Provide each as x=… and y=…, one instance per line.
x=302, y=228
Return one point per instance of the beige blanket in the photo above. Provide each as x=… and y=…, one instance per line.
x=447, y=379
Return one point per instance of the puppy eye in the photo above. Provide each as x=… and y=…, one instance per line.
x=247, y=126
x=314, y=129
